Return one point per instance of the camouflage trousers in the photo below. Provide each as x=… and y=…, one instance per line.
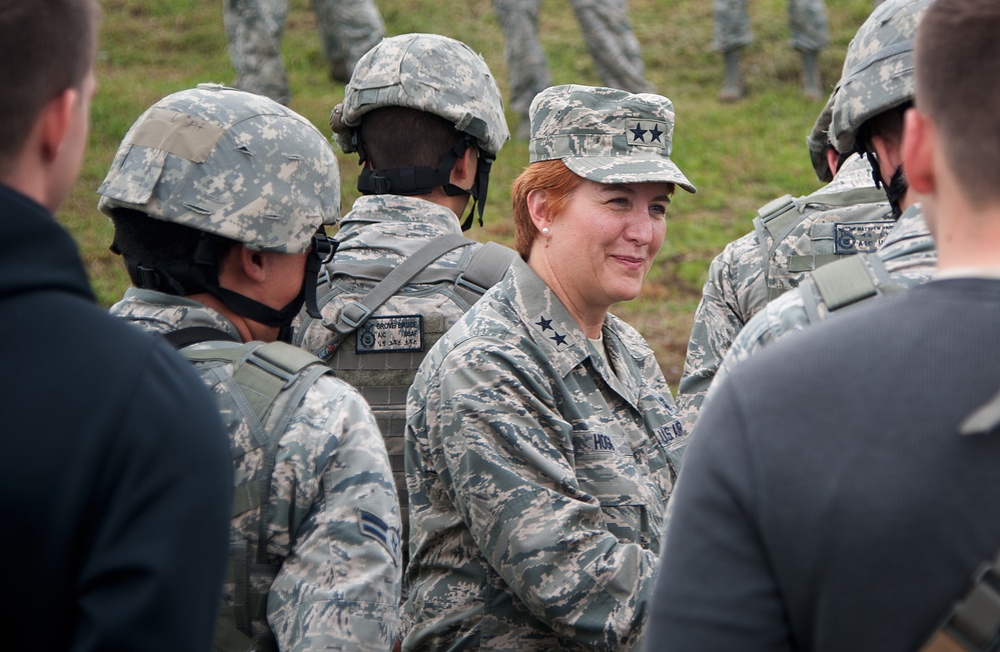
x=806, y=18
x=606, y=31
x=348, y=29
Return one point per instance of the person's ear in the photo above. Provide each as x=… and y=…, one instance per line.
x=539, y=208
x=919, y=138
x=889, y=154
x=463, y=174
x=253, y=264
x=55, y=120
x=832, y=159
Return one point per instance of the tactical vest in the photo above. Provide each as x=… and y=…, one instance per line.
x=861, y=226
x=380, y=355
x=856, y=279
x=258, y=388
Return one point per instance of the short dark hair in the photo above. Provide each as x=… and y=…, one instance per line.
x=149, y=241
x=401, y=137
x=957, y=63
x=46, y=47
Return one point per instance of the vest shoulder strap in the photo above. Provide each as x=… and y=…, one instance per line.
x=355, y=314
x=849, y=281
x=972, y=624
x=485, y=269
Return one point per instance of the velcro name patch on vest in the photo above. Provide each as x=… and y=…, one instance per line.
x=375, y=528
x=669, y=433
x=860, y=237
x=400, y=333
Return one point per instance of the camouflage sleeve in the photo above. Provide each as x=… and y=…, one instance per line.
x=782, y=317
x=732, y=291
x=494, y=429
x=335, y=511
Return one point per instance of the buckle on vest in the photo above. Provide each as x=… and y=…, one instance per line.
x=354, y=314
x=469, y=285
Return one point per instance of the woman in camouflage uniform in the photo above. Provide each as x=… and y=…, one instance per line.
x=542, y=441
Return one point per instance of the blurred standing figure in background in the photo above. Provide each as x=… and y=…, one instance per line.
x=606, y=31
x=348, y=29
x=541, y=438
x=807, y=19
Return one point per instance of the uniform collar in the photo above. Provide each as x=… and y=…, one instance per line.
x=162, y=313
x=561, y=339
x=372, y=209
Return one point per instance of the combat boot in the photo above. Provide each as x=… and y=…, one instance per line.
x=339, y=71
x=733, y=88
x=811, y=86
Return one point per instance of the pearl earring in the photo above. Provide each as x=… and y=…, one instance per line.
x=545, y=230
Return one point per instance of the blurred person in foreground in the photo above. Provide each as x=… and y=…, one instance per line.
x=219, y=200
x=115, y=502
x=856, y=521
x=541, y=439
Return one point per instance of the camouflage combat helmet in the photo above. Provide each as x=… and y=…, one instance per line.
x=229, y=163
x=819, y=139
x=437, y=75
x=429, y=73
x=234, y=165
x=878, y=69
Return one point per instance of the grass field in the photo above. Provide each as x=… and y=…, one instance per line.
x=739, y=156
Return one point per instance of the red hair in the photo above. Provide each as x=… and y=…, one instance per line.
x=558, y=182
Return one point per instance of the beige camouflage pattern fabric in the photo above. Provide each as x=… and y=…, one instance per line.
x=348, y=29
x=606, y=135
x=606, y=30
x=806, y=19
x=761, y=265
x=332, y=516
x=230, y=163
x=878, y=69
x=430, y=73
x=376, y=236
x=908, y=255
x=538, y=476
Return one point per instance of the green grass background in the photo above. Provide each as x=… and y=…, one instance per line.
x=738, y=155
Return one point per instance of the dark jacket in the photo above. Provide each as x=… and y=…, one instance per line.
x=114, y=468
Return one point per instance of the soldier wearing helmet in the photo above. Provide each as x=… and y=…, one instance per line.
x=219, y=199
x=879, y=77
x=791, y=237
x=425, y=116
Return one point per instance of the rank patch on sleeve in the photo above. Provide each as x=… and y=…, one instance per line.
x=375, y=528
x=400, y=333
x=860, y=237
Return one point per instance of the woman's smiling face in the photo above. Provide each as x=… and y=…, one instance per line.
x=601, y=245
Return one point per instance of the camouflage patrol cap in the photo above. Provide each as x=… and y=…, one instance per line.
x=227, y=162
x=430, y=73
x=605, y=135
x=878, y=69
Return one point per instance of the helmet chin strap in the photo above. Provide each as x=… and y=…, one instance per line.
x=897, y=187
x=422, y=180
x=184, y=277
